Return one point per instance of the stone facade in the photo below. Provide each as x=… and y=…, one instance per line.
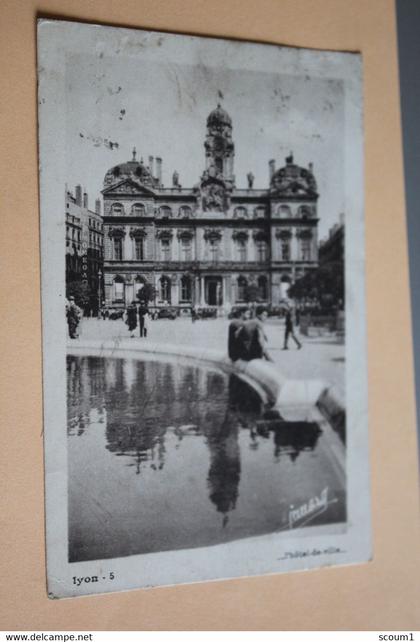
x=206, y=244
x=84, y=245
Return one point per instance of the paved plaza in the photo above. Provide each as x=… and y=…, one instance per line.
x=321, y=357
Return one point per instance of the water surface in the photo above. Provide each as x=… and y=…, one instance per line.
x=163, y=457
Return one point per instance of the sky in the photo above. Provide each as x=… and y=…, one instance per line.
x=161, y=109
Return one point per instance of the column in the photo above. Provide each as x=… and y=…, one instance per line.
x=174, y=290
x=129, y=293
x=196, y=291
x=127, y=244
x=202, y=299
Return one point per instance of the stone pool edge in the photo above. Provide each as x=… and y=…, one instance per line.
x=265, y=377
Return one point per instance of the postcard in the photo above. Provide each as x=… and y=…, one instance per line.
x=203, y=303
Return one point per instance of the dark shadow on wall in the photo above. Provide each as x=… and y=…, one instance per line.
x=408, y=24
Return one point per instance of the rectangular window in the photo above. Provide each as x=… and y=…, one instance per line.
x=186, y=250
x=306, y=250
x=119, y=291
x=139, y=249
x=262, y=251
x=285, y=251
x=242, y=254
x=214, y=251
x=118, y=254
x=166, y=249
x=186, y=289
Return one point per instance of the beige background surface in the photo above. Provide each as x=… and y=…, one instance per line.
x=384, y=594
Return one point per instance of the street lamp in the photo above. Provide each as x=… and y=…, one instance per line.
x=100, y=275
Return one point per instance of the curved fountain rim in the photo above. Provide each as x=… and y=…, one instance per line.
x=263, y=376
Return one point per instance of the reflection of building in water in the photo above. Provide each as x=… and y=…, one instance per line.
x=225, y=465
x=144, y=399
x=243, y=406
x=291, y=437
x=85, y=391
x=133, y=428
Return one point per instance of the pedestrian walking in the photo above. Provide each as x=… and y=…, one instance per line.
x=73, y=315
x=131, y=317
x=143, y=320
x=253, y=338
x=289, y=331
x=235, y=344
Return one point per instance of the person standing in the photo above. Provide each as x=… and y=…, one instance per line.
x=253, y=337
x=131, y=319
x=289, y=331
x=143, y=319
x=73, y=315
x=235, y=346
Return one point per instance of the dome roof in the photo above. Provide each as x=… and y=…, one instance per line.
x=293, y=180
x=131, y=169
x=219, y=117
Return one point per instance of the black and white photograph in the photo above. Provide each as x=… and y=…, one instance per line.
x=204, y=357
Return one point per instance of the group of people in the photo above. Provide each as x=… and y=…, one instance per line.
x=247, y=339
x=136, y=313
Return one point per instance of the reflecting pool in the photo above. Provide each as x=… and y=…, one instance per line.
x=163, y=456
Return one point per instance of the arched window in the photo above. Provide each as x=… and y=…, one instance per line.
x=284, y=211
x=240, y=212
x=119, y=289
x=165, y=211
x=138, y=285
x=165, y=289
x=186, y=289
x=242, y=285
x=117, y=209
x=138, y=209
x=185, y=211
x=262, y=288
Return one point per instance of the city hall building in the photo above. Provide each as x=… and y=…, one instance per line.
x=211, y=244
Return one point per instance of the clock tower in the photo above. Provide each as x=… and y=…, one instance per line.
x=219, y=147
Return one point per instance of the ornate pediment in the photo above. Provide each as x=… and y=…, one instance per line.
x=165, y=234
x=127, y=186
x=185, y=234
x=137, y=232
x=304, y=233
x=260, y=235
x=240, y=235
x=212, y=234
x=116, y=232
x=283, y=233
